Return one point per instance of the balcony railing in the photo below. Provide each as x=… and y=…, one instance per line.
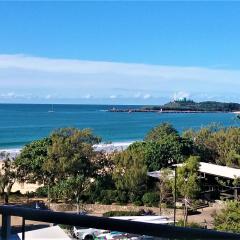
x=139, y=228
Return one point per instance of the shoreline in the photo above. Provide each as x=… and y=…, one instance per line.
x=164, y=111
x=107, y=147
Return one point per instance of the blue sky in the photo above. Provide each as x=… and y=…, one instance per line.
x=119, y=52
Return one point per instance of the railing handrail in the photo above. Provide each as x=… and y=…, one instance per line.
x=140, y=228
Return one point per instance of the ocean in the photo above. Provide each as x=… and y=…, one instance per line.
x=23, y=123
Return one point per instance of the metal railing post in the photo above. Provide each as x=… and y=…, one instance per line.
x=23, y=228
x=6, y=227
x=139, y=228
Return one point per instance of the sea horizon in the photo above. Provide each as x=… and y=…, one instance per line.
x=21, y=124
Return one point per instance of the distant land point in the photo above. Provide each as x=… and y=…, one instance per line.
x=186, y=106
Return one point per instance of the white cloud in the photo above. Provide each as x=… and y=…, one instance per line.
x=137, y=95
x=23, y=76
x=13, y=95
x=88, y=96
x=180, y=95
x=147, y=96
x=8, y=95
x=49, y=96
x=113, y=97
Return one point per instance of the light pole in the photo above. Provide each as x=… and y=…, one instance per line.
x=175, y=194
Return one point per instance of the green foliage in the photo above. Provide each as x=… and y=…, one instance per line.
x=180, y=223
x=189, y=105
x=69, y=160
x=187, y=178
x=122, y=213
x=65, y=161
x=160, y=132
x=217, y=145
x=31, y=160
x=42, y=191
x=122, y=197
x=163, y=154
x=101, y=183
x=66, y=227
x=8, y=176
x=157, y=155
x=229, y=218
x=130, y=172
x=138, y=203
x=151, y=199
x=109, y=196
x=164, y=147
x=70, y=152
x=188, y=185
x=164, y=187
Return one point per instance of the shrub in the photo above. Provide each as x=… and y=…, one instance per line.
x=180, y=223
x=122, y=197
x=122, y=213
x=228, y=219
x=108, y=196
x=16, y=193
x=141, y=212
x=30, y=194
x=95, y=192
x=138, y=203
x=42, y=191
x=151, y=199
x=67, y=227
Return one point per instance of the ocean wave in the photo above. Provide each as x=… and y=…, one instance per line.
x=13, y=152
x=107, y=147
x=111, y=147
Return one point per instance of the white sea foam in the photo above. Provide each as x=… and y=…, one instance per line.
x=111, y=147
x=13, y=152
x=106, y=147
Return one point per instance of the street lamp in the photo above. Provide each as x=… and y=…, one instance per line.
x=175, y=194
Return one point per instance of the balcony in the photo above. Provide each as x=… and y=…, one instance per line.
x=158, y=231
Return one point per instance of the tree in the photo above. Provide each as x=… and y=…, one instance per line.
x=164, y=186
x=229, y=218
x=62, y=158
x=130, y=173
x=217, y=145
x=161, y=154
x=203, y=143
x=70, y=152
x=163, y=147
x=160, y=132
x=8, y=177
x=70, y=158
x=188, y=185
x=30, y=163
x=31, y=159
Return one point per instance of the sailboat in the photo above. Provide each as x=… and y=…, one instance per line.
x=51, y=110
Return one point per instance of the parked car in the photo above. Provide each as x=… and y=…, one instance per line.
x=87, y=233
x=92, y=233
x=112, y=235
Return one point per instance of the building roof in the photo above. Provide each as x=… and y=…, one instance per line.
x=220, y=171
x=54, y=232
x=147, y=219
x=208, y=168
x=154, y=174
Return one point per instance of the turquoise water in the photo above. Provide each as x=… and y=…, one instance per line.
x=23, y=123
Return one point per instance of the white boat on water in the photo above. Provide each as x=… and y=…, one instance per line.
x=51, y=110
